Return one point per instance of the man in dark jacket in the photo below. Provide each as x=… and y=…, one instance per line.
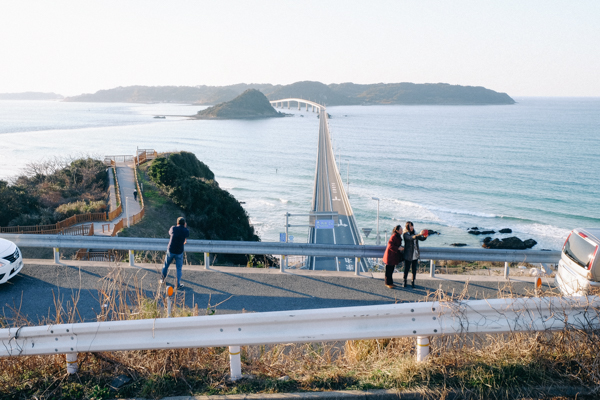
x=178, y=234
x=411, y=251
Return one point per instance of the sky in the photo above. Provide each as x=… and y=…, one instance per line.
x=520, y=47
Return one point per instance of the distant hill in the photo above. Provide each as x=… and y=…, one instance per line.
x=424, y=93
x=30, y=96
x=201, y=95
x=330, y=95
x=250, y=104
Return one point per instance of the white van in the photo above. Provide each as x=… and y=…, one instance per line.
x=579, y=268
x=11, y=261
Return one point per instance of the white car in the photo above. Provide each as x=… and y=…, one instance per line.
x=579, y=265
x=11, y=261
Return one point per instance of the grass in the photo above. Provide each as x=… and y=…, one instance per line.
x=474, y=366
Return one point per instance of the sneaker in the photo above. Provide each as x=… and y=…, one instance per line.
x=161, y=281
x=180, y=287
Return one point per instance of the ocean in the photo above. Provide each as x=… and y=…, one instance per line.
x=533, y=167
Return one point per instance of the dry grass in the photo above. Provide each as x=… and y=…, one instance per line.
x=475, y=366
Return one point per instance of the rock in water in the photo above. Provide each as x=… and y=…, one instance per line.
x=505, y=230
x=478, y=232
x=511, y=243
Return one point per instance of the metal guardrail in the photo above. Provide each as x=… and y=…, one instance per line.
x=287, y=249
x=422, y=320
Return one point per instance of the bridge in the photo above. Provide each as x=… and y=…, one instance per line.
x=315, y=106
x=331, y=218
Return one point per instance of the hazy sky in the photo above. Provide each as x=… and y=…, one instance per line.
x=521, y=47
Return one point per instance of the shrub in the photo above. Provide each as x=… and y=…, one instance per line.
x=80, y=207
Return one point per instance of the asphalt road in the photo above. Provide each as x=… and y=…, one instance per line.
x=330, y=196
x=38, y=290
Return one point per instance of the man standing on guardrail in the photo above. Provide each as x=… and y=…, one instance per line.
x=178, y=234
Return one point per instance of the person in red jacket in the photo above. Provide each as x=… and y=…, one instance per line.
x=393, y=255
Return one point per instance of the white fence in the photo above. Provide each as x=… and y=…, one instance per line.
x=421, y=320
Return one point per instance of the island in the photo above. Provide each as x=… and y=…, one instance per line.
x=249, y=105
x=342, y=94
x=30, y=96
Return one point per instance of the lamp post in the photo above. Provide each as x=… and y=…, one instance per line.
x=377, y=198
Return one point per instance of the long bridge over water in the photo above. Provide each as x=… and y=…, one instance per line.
x=331, y=218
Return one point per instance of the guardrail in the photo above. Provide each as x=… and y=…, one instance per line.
x=421, y=320
x=291, y=249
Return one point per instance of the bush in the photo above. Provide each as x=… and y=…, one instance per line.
x=15, y=201
x=80, y=207
x=46, y=185
x=167, y=171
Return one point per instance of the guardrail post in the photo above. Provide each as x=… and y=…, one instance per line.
x=432, y=268
x=206, y=260
x=131, y=258
x=72, y=366
x=282, y=263
x=56, y=256
x=506, y=270
x=357, y=266
x=235, y=363
x=422, y=348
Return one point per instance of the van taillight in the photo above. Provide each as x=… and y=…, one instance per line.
x=593, y=258
x=570, y=233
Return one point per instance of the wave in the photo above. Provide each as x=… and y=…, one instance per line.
x=464, y=212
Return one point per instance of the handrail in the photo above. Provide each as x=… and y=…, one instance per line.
x=118, y=226
x=287, y=249
x=117, y=188
x=57, y=228
x=301, y=326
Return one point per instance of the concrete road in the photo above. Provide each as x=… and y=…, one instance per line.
x=42, y=287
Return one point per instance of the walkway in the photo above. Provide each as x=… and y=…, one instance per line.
x=127, y=185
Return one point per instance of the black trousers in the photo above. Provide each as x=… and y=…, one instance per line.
x=389, y=270
x=407, y=265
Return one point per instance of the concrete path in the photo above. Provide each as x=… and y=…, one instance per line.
x=231, y=289
x=127, y=185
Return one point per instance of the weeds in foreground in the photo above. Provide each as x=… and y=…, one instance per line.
x=475, y=366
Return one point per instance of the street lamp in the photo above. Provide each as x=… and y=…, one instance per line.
x=377, y=198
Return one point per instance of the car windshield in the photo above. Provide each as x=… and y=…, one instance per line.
x=579, y=250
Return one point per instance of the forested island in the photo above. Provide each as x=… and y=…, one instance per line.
x=329, y=95
x=250, y=104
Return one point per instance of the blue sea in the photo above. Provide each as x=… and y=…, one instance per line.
x=533, y=167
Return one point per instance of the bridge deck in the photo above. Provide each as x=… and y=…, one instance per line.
x=330, y=196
